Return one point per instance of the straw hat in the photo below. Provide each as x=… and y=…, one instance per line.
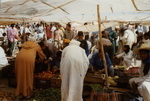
x=142, y=47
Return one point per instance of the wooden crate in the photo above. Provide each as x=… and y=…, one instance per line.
x=92, y=78
x=55, y=81
x=47, y=82
x=41, y=82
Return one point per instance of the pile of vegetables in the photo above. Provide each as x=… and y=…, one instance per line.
x=45, y=74
x=50, y=94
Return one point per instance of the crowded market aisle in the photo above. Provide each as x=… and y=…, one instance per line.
x=45, y=67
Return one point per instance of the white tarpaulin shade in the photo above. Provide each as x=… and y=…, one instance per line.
x=94, y=27
x=75, y=10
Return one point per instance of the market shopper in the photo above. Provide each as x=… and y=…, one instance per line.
x=24, y=67
x=96, y=62
x=142, y=83
x=73, y=67
x=43, y=65
x=126, y=56
x=58, y=37
x=146, y=39
x=83, y=42
x=113, y=35
x=11, y=39
x=129, y=37
x=68, y=34
x=3, y=58
x=48, y=31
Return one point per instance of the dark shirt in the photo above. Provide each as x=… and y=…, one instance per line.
x=97, y=63
x=146, y=66
x=113, y=35
x=55, y=62
x=47, y=53
x=84, y=45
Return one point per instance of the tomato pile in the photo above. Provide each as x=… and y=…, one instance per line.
x=45, y=74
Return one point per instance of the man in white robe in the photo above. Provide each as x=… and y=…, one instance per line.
x=3, y=58
x=73, y=68
x=129, y=37
x=127, y=56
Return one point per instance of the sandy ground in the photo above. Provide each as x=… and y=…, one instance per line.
x=7, y=93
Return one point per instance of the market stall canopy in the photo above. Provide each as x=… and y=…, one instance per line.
x=75, y=10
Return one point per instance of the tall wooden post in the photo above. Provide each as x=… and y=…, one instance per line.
x=101, y=47
x=45, y=34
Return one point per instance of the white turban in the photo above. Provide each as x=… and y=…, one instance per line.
x=74, y=42
x=31, y=38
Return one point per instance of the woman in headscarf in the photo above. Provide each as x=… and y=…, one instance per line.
x=24, y=66
x=142, y=83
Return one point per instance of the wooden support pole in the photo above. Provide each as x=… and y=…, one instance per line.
x=45, y=34
x=101, y=47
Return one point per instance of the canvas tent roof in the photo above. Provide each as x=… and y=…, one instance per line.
x=94, y=27
x=74, y=10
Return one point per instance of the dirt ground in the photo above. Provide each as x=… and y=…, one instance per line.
x=6, y=93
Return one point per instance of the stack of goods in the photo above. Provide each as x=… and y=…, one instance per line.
x=66, y=42
x=123, y=78
x=44, y=75
x=120, y=67
x=133, y=72
x=111, y=80
x=104, y=95
x=111, y=95
x=94, y=78
x=56, y=81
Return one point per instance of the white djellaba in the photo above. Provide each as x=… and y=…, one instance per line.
x=73, y=67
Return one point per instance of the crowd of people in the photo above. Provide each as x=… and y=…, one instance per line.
x=40, y=47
